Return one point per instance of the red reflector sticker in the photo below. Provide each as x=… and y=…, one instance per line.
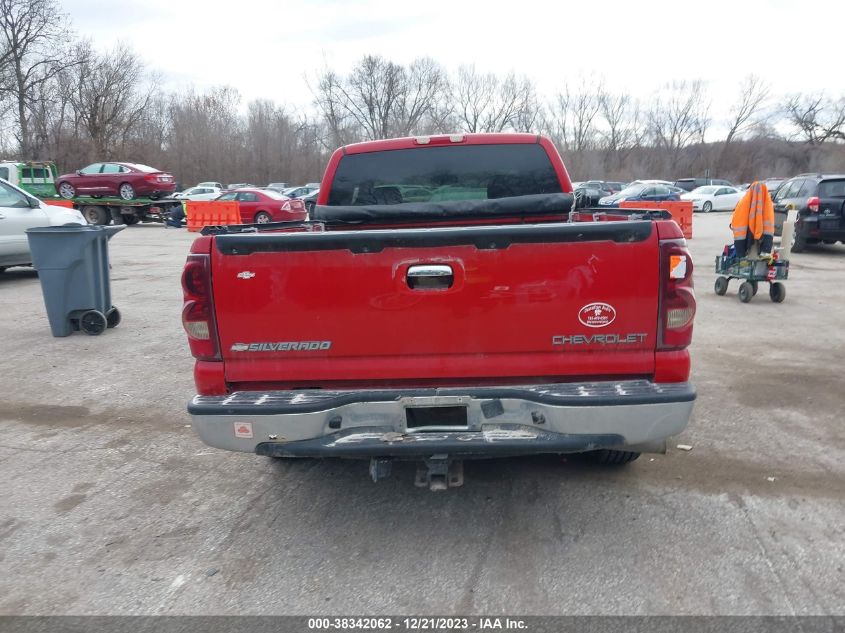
x=597, y=314
x=243, y=429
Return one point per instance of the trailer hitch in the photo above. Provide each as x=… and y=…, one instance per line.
x=438, y=472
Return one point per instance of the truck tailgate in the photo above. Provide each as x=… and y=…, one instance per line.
x=523, y=301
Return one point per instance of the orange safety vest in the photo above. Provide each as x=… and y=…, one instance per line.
x=754, y=214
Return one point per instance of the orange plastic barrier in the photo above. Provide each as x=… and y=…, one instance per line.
x=59, y=202
x=681, y=211
x=212, y=213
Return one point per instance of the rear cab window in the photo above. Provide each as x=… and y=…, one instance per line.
x=36, y=175
x=442, y=174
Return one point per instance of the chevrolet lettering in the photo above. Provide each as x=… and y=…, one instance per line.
x=599, y=339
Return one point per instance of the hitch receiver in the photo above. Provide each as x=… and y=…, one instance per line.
x=438, y=472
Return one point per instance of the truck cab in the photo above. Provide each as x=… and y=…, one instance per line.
x=35, y=177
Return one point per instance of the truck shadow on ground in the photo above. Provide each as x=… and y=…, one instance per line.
x=18, y=274
x=481, y=476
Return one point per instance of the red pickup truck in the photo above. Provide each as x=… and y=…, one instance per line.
x=442, y=304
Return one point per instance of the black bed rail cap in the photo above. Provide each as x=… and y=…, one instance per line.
x=515, y=206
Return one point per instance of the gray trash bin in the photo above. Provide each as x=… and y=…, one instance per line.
x=73, y=265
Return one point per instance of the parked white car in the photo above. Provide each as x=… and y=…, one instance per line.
x=713, y=198
x=20, y=211
x=198, y=193
x=216, y=185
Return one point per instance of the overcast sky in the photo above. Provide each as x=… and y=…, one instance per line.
x=273, y=48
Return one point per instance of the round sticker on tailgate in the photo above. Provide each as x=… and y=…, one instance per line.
x=597, y=314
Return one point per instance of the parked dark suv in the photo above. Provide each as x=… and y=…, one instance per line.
x=688, y=184
x=820, y=201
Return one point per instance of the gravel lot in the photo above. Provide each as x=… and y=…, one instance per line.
x=111, y=505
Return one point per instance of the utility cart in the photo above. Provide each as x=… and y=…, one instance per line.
x=752, y=270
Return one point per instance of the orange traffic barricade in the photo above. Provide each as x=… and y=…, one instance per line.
x=212, y=213
x=681, y=211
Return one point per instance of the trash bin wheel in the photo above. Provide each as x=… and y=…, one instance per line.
x=113, y=317
x=93, y=322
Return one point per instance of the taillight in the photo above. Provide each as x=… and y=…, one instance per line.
x=286, y=206
x=813, y=204
x=151, y=177
x=198, y=308
x=677, y=296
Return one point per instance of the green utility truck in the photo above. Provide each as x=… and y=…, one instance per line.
x=35, y=177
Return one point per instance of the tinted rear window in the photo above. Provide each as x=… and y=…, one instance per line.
x=437, y=174
x=832, y=189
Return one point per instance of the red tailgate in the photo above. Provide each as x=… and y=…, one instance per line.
x=540, y=301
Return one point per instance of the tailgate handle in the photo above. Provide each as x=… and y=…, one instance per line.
x=430, y=277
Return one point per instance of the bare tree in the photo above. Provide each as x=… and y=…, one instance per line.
x=486, y=103
x=816, y=117
x=572, y=115
x=584, y=105
x=31, y=54
x=679, y=116
x=380, y=98
x=371, y=94
x=516, y=106
x=623, y=128
x=746, y=112
x=205, y=142
x=614, y=110
x=329, y=100
x=110, y=93
x=473, y=93
x=421, y=106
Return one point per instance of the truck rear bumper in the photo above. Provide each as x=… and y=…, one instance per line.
x=495, y=421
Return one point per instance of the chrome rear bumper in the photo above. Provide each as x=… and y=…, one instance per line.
x=557, y=418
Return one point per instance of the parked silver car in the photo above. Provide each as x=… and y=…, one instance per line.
x=20, y=211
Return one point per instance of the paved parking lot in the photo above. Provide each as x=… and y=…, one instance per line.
x=111, y=505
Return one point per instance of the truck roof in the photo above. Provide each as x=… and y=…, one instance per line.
x=487, y=138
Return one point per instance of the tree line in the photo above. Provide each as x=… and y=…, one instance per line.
x=62, y=99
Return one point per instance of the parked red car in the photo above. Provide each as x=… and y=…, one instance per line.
x=127, y=180
x=260, y=206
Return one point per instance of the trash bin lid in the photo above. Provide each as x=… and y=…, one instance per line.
x=76, y=228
